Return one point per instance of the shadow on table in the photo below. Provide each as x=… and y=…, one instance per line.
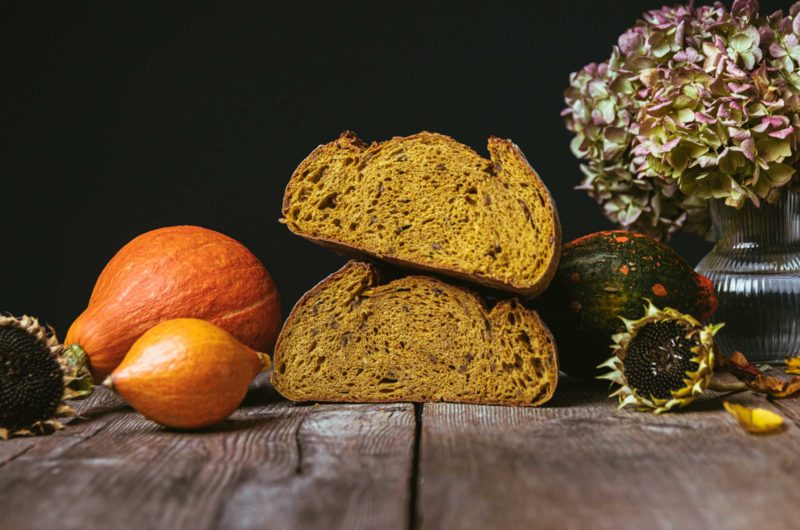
x=261, y=393
x=571, y=392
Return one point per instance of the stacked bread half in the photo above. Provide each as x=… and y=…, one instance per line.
x=438, y=210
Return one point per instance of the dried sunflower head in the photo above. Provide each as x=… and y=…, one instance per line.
x=35, y=378
x=662, y=361
x=695, y=103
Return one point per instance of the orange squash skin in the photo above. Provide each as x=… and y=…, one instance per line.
x=176, y=272
x=186, y=374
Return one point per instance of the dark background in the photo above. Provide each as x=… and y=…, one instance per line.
x=120, y=117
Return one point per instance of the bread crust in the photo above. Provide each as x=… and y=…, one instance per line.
x=348, y=140
x=372, y=274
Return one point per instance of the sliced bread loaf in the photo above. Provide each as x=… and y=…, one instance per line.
x=412, y=339
x=428, y=202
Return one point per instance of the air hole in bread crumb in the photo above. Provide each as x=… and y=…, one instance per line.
x=329, y=201
x=524, y=339
x=320, y=361
x=494, y=251
x=317, y=175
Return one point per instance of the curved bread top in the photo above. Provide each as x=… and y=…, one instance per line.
x=428, y=202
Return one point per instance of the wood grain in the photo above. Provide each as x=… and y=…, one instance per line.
x=579, y=463
x=575, y=463
x=272, y=465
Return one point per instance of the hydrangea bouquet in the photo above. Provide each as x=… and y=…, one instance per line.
x=695, y=103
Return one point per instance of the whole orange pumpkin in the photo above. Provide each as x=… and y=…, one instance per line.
x=176, y=272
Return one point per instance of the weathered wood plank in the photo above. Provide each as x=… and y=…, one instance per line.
x=579, y=463
x=789, y=408
x=272, y=465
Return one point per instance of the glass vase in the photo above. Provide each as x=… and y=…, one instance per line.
x=755, y=268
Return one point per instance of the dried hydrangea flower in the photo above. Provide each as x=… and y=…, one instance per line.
x=695, y=103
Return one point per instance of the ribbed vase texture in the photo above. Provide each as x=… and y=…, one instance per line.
x=755, y=268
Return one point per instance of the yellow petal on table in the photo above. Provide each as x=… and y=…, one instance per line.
x=756, y=421
x=793, y=365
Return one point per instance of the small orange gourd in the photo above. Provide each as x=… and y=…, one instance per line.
x=175, y=272
x=186, y=373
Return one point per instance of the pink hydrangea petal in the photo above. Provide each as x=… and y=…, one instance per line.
x=704, y=118
x=775, y=121
x=669, y=146
x=776, y=50
x=749, y=149
x=782, y=133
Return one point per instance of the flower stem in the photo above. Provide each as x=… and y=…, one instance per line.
x=719, y=386
x=78, y=382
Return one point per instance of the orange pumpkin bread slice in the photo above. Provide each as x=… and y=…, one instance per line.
x=417, y=338
x=428, y=202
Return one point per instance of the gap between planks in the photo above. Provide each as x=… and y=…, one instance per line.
x=413, y=508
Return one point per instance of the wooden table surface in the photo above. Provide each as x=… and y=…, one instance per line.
x=575, y=463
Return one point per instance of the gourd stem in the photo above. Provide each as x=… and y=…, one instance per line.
x=264, y=359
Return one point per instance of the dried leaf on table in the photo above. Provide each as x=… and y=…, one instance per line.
x=793, y=365
x=771, y=382
x=757, y=420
